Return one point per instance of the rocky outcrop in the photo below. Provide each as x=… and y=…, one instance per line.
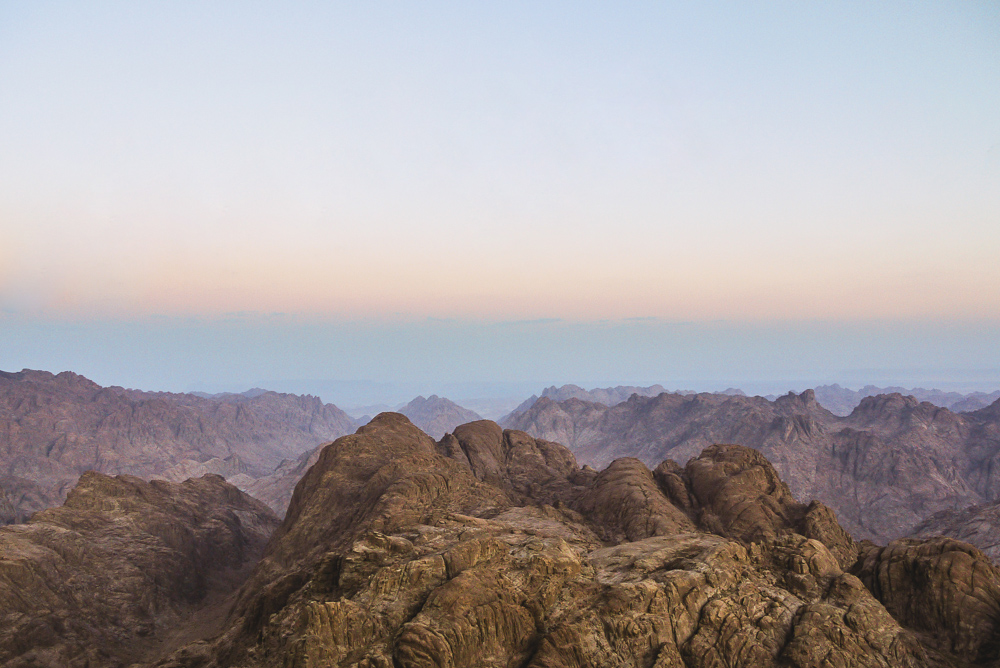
x=977, y=525
x=947, y=590
x=399, y=551
x=125, y=570
x=886, y=467
x=55, y=427
x=436, y=415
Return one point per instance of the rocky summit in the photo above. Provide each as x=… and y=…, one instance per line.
x=494, y=548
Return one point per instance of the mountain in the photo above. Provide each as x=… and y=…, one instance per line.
x=55, y=427
x=519, y=409
x=609, y=396
x=275, y=489
x=493, y=548
x=977, y=525
x=841, y=401
x=125, y=570
x=890, y=464
x=436, y=415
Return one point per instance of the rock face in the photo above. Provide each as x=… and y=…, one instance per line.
x=889, y=465
x=125, y=570
x=493, y=548
x=55, y=427
x=947, y=590
x=977, y=525
x=275, y=489
x=436, y=415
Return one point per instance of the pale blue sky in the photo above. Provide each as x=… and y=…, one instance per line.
x=810, y=167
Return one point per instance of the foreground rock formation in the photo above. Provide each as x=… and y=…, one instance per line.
x=885, y=468
x=125, y=570
x=55, y=427
x=493, y=548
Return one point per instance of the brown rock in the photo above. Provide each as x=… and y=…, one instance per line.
x=946, y=589
x=891, y=463
x=55, y=427
x=397, y=551
x=125, y=570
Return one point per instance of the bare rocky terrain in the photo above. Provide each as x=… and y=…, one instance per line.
x=55, y=427
x=977, y=525
x=126, y=570
x=493, y=548
x=488, y=547
x=885, y=468
x=436, y=415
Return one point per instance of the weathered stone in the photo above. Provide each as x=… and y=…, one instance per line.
x=397, y=551
x=125, y=570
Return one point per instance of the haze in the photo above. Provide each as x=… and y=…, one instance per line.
x=209, y=195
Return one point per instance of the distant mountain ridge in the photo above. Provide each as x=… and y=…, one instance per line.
x=890, y=464
x=841, y=401
x=53, y=427
x=609, y=396
x=838, y=400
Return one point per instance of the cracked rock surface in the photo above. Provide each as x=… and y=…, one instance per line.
x=493, y=548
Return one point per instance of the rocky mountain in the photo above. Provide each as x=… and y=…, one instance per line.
x=275, y=489
x=55, y=427
x=609, y=396
x=436, y=415
x=519, y=409
x=841, y=401
x=977, y=525
x=885, y=468
x=126, y=570
x=493, y=548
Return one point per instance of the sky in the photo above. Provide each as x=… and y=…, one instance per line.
x=446, y=194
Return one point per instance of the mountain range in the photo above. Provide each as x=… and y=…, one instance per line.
x=53, y=428
x=841, y=401
x=488, y=547
x=891, y=463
